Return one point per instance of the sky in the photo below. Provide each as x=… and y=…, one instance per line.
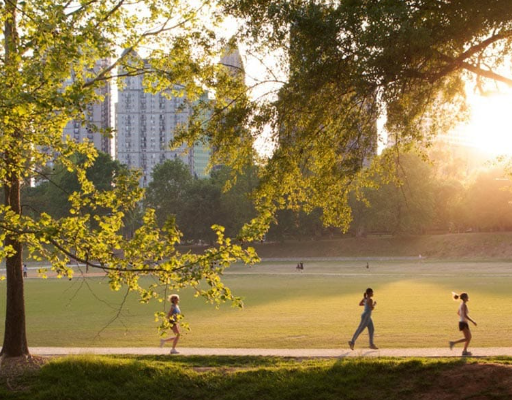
x=490, y=126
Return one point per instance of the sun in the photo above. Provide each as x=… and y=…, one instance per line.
x=489, y=128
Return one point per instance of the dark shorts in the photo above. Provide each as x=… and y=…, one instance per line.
x=463, y=325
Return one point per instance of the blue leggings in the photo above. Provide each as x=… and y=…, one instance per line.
x=366, y=322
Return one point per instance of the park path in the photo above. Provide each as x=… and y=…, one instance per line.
x=296, y=353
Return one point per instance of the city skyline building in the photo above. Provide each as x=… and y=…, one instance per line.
x=145, y=125
x=232, y=60
x=97, y=118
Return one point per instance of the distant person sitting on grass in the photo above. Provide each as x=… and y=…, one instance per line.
x=172, y=315
x=366, y=319
x=463, y=322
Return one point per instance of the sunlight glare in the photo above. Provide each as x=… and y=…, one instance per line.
x=490, y=126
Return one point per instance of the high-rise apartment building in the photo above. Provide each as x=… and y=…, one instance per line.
x=200, y=153
x=145, y=125
x=232, y=60
x=97, y=119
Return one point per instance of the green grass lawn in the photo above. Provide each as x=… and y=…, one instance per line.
x=250, y=378
x=317, y=308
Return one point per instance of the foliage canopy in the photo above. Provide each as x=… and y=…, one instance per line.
x=49, y=67
x=347, y=63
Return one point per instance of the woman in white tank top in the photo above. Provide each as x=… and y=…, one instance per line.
x=463, y=323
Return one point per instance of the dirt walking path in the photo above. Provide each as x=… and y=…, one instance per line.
x=296, y=353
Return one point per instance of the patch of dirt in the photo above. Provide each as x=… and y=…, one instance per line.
x=472, y=381
x=13, y=370
x=16, y=366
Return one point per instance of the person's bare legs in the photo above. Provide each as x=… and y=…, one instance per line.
x=176, y=331
x=163, y=341
x=467, y=336
x=465, y=340
x=173, y=339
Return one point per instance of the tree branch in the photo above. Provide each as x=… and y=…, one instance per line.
x=486, y=73
x=106, y=268
x=109, y=14
x=163, y=28
x=460, y=61
x=117, y=315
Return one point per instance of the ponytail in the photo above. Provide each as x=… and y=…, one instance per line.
x=461, y=296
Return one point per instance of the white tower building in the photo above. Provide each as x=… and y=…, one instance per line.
x=97, y=119
x=146, y=124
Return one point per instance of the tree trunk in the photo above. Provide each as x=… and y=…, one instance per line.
x=15, y=337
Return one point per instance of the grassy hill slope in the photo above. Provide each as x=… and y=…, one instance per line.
x=262, y=378
x=447, y=246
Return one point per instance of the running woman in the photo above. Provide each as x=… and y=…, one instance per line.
x=172, y=315
x=366, y=319
x=463, y=323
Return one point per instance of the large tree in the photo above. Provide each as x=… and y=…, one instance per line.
x=346, y=64
x=49, y=52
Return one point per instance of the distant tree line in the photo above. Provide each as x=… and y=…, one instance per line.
x=420, y=200
x=423, y=197
x=195, y=204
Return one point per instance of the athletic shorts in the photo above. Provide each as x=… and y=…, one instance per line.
x=463, y=325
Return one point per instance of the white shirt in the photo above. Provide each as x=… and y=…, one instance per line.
x=463, y=312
